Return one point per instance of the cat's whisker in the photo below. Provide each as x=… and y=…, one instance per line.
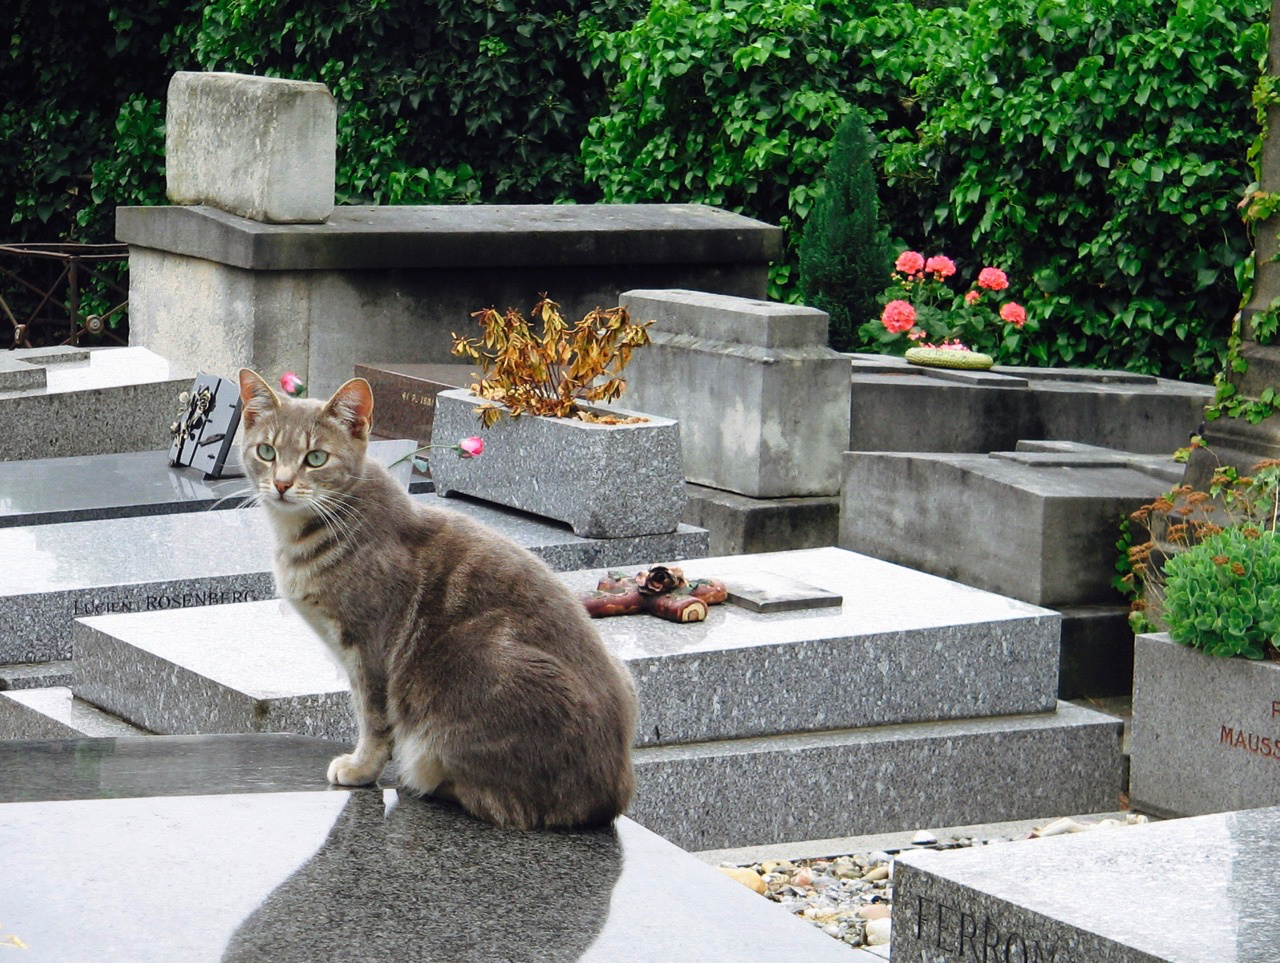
x=247, y=496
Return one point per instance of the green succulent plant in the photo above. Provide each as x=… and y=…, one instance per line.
x=1223, y=595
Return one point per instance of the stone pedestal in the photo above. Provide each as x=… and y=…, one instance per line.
x=261, y=147
x=763, y=409
x=217, y=291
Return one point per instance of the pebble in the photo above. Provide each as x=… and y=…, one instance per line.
x=747, y=877
x=878, y=932
x=924, y=838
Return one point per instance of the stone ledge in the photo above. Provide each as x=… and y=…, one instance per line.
x=534, y=235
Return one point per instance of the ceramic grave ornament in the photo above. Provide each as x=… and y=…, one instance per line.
x=206, y=426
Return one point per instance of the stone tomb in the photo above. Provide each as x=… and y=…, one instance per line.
x=897, y=406
x=939, y=696
x=59, y=572
x=1206, y=730
x=115, y=842
x=1183, y=891
x=762, y=403
x=44, y=491
x=396, y=282
x=1038, y=524
x=61, y=402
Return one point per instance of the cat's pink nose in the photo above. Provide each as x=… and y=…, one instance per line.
x=283, y=486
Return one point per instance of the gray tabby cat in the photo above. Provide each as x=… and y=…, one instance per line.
x=466, y=655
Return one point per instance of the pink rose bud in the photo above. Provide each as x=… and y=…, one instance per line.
x=291, y=383
x=471, y=447
x=909, y=262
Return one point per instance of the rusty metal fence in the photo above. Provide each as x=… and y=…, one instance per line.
x=50, y=281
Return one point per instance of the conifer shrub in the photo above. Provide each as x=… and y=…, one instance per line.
x=844, y=253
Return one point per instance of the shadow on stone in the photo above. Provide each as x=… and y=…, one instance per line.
x=373, y=891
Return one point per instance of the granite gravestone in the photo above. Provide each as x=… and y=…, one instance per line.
x=1183, y=891
x=940, y=695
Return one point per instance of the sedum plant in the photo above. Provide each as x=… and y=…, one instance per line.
x=552, y=372
x=1223, y=594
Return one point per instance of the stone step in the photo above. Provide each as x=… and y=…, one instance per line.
x=903, y=647
x=57, y=573
x=43, y=491
x=880, y=779
x=35, y=675
x=1196, y=889
x=53, y=713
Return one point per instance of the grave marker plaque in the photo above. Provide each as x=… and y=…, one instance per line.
x=205, y=430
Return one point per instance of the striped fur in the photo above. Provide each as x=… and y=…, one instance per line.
x=467, y=657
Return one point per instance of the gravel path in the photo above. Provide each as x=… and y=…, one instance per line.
x=849, y=896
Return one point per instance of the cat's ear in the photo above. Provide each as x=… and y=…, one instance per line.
x=352, y=406
x=256, y=397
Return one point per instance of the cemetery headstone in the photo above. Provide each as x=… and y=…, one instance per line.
x=85, y=402
x=1184, y=890
x=939, y=695
x=205, y=430
x=759, y=397
x=261, y=147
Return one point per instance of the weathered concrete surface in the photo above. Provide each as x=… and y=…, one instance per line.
x=761, y=400
x=261, y=147
x=392, y=284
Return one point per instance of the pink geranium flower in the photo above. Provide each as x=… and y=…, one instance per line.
x=909, y=262
x=971, y=297
x=1014, y=313
x=898, y=316
x=471, y=447
x=993, y=279
x=940, y=265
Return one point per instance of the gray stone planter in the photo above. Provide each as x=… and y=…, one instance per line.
x=1206, y=731
x=606, y=481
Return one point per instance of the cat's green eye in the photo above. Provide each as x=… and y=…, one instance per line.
x=316, y=457
x=266, y=453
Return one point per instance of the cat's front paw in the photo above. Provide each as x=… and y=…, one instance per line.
x=351, y=770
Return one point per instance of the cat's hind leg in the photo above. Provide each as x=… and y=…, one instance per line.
x=422, y=769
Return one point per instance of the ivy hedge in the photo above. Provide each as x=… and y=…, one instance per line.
x=1095, y=149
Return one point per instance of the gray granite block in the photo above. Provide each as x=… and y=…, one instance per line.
x=1184, y=891
x=904, y=647
x=759, y=395
x=880, y=779
x=227, y=669
x=1206, y=730
x=1045, y=534
x=49, y=490
x=52, y=574
x=605, y=481
x=54, y=713
x=362, y=875
x=118, y=399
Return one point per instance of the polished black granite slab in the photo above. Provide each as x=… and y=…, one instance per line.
x=271, y=871
x=44, y=491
